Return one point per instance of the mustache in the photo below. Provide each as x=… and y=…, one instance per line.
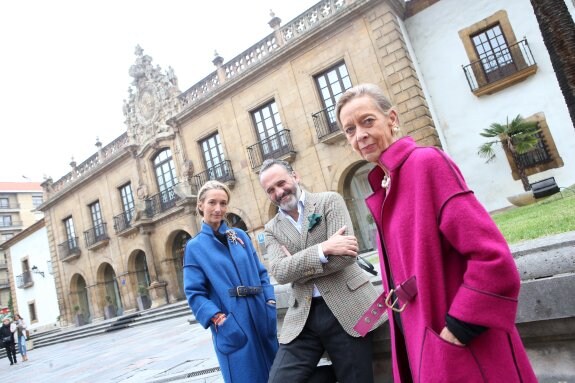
x=286, y=193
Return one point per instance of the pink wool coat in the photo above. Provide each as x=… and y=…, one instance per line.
x=432, y=227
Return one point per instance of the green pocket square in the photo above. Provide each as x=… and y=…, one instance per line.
x=313, y=219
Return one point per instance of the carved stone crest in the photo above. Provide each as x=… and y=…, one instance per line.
x=152, y=100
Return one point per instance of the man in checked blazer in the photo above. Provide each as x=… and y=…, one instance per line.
x=311, y=245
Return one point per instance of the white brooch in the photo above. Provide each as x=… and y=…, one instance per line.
x=233, y=237
x=385, y=181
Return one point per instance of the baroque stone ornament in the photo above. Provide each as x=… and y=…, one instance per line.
x=152, y=101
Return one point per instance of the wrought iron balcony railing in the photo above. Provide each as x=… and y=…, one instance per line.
x=123, y=220
x=24, y=280
x=222, y=172
x=69, y=248
x=325, y=122
x=275, y=146
x=96, y=234
x=159, y=203
x=537, y=156
x=499, y=65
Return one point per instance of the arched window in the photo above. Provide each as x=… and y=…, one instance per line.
x=166, y=178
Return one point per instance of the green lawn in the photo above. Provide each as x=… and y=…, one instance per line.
x=552, y=215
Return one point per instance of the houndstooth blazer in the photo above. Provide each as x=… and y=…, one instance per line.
x=344, y=286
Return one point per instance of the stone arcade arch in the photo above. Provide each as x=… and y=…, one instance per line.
x=176, y=246
x=79, y=300
x=236, y=221
x=354, y=187
x=108, y=291
x=138, y=266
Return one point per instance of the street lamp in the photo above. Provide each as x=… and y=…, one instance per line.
x=36, y=271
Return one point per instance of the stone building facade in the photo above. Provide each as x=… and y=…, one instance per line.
x=18, y=203
x=118, y=222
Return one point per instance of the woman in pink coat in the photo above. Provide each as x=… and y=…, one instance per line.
x=450, y=281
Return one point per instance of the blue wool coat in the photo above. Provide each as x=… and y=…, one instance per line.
x=246, y=343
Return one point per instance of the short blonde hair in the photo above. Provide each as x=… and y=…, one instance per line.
x=370, y=90
x=210, y=185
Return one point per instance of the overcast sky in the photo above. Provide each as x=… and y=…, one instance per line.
x=64, y=67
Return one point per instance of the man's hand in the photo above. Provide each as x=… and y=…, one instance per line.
x=340, y=244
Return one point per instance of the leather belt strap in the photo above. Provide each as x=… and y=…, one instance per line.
x=405, y=293
x=407, y=290
x=242, y=291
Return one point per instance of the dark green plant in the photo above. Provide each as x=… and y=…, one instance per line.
x=11, y=304
x=519, y=136
x=142, y=290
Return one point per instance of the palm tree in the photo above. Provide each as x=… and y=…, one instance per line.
x=558, y=31
x=518, y=136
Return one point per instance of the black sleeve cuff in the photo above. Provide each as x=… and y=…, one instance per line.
x=463, y=331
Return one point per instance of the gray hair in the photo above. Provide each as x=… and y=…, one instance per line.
x=271, y=162
x=370, y=90
x=210, y=185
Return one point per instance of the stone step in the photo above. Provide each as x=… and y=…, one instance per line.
x=60, y=335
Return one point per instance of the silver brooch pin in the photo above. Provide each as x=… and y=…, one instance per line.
x=233, y=237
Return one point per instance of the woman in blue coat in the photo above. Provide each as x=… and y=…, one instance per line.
x=229, y=291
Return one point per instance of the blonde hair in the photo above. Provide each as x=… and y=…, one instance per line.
x=210, y=185
x=370, y=90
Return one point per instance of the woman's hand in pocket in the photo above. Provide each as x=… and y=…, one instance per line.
x=448, y=336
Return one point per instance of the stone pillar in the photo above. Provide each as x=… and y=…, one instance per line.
x=275, y=24
x=99, y=146
x=157, y=288
x=218, y=61
x=95, y=300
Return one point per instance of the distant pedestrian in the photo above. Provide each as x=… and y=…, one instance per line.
x=229, y=291
x=7, y=335
x=21, y=334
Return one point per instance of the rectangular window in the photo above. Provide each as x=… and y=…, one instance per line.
x=4, y=203
x=97, y=222
x=32, y=312
x=496, y=59
x=331, y=84
x=269, y=127
x=493, y=51
x=5, y=221
x=70, y=233
x=37, y=200
x=213, y=157
x=539, y=155
x=127, y=201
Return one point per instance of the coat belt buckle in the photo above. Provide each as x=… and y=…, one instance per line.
x=241, y=291
x=392, y=305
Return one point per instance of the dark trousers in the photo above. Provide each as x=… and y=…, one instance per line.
x=351, y=357
x=11, y=351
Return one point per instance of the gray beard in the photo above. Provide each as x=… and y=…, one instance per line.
x=290, y=205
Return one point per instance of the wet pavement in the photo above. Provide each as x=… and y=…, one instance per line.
x=165, y=351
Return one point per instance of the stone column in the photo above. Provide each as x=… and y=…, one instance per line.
x=275, y=24
x=157, y=288
x=95, y=300
x=218, y=61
